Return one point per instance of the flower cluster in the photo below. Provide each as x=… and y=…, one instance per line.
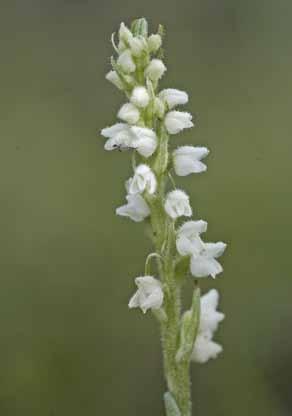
x=145, y=123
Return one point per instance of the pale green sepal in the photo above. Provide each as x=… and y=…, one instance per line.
x=160, y=315
x=170, y=405
x=139, y=27
x=189, y=328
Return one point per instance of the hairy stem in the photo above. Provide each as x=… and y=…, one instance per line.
x=176, y=374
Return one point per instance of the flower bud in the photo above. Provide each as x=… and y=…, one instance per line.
x=140, y=27
x=176, y=121
x=124, y=33
x=113, y=77
x=155, y=70
x=137, y=45
x=140, y=97
x=129, y=113
x=126, y=62
x=177, y=204
x=154, y=42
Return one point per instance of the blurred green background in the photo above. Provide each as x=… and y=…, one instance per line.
x=69, y=345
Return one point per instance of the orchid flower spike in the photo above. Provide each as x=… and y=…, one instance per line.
x=147, y=120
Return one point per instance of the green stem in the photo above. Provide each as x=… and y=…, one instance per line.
x=176, y=374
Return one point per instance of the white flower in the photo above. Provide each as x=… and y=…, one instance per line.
x=126, y=62
x=140, y=97
x=136, y=208
x=145, y=140
x=205, y=348
x=203, y=259
x=113, y=77
x=137, y=45
x=155, y=70
x=175, y=121
x=177, y=204
x=121, y=136
x=187, y=235
x=143, y=179
x=111, y=131
x=149, y=294
x=154, y=42
x=210, y=317
x=174, y=97
x=124, y=33
x=187, y=159
x=129, y=113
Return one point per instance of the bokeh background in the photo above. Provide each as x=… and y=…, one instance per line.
x=68, y=344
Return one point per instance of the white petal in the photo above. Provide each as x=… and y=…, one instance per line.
x=184, y=246
x=203, y=266
x=136, y=208
x=210, y=317
x=134, y=301
x=153, y=301
x=193, y=228
x=205, y=349
x=111, y=131
x=113, y=77
x=196, y=152
x=174, y=97
x=215, y=249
